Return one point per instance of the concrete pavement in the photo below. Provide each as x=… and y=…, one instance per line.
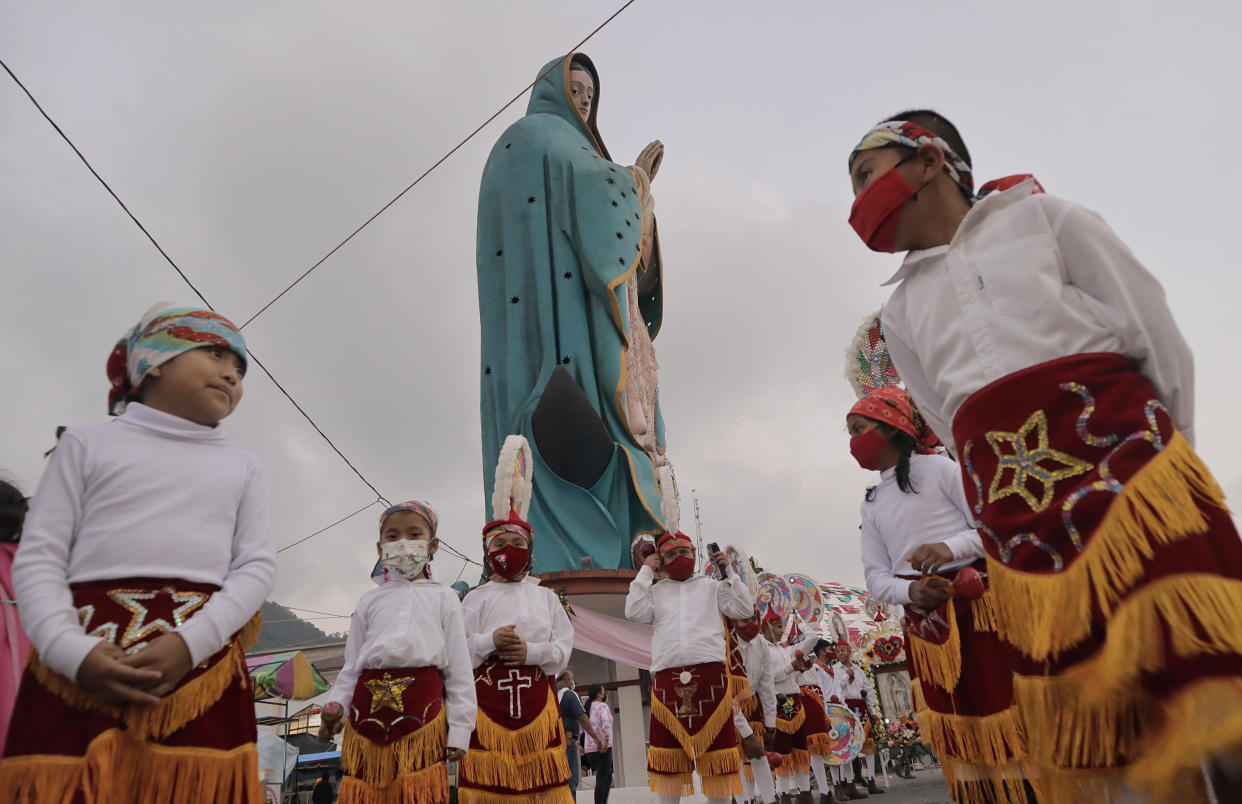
x=927, y=787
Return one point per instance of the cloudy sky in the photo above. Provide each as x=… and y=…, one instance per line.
x=251, y=137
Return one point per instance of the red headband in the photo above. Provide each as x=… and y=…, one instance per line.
x=891, y=405
x=671, y=541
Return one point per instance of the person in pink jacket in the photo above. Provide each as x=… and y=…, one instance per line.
x=600, y=753
x=14, y=645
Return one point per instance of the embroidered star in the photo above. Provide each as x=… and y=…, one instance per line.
x=487, y=370
x=507, y=144
x=139, y=627
x=530, y=199
x=107, y=630
x=565, y=360
x=610, y=180
x=627, y=223
x=514, y=300
x=499, y=252
x=568, y=275
x=623, y=193
x=614, y=203
x=621, y=261
x=1042, y=464
x=386, y=692
x=619, y=235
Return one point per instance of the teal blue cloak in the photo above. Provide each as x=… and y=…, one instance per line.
x=559, y=233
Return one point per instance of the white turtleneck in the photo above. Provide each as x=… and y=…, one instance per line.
x=147, y=495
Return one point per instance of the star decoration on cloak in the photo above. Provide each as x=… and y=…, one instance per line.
x=614, y=203
x=1041, y=464
x=530, y=199
x=500, y=252
x=107, y=630
x=139, y=626
x=611, y=180
x=514, y=300
x=566, y=360
x=568, y=275
x=387, y=691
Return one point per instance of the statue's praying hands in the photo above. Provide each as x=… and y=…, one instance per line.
x=650, y=157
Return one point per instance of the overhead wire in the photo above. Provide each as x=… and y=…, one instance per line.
x=435, y=165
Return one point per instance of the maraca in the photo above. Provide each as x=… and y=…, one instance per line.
x=332, y=713
x=774, y=760
x=968, y=584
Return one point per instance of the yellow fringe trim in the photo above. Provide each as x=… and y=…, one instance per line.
x=117, y=767
x=940, y=664
x=700, y=741
x=744, y=763
x=791, y=726
x=534, y=736
x=170, y=714
x=1045, y=614
x=427, y=786
x=676, y=785
x=1202, y=721
x=739, y=687
x=819, y=745
x=534, y=769
x=1067, y=730
x=716, y=763
x=1203, y=613
x=984, y=613
x=992, y=740
x=796, y=761
x=381, y=765
x=668, y=760
x=724, y=786
x=974, y=784
x=748, y=704
x=250, y=631
x=556, y=795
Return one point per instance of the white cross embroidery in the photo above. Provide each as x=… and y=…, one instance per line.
x=514, y=684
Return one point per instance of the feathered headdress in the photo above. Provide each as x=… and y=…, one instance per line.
x=868, y=365
x=514, y=487
x=670, y=509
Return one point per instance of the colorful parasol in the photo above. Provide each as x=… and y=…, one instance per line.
x=774, y=595
x=285, y=675
x=843, y=732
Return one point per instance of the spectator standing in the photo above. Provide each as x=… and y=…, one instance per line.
x=575, y=720
x=14, y=645
x=599, y=752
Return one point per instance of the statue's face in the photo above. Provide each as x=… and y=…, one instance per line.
x=582, y=90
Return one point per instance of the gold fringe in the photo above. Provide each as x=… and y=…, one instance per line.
x=152, y=722
x=556, y=795
x=739, y=687
x=819, y=745
x=744, y=763
x=250, y=631
x=1066, y=729
x=668, y=760
x=791, y=726
x=1045, y=614
x=534, y=736
x=798, y=760
x=427, y=786
x=41, y=778
x=716, y=763
x=676, y=785
x=992, y=740
x=983, y=612
x=533, y=769
x=974, y=784
x=1202, y=612
x=381, y=765
x=701, y=740
x=748, y=705
x=1202, y=721
x=722, y=786
x=939, y=664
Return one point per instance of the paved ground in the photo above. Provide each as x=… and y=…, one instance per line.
x=927, y=787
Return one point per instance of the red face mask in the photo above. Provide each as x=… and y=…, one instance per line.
x=509, y=561
x=747, y=630
x=680, y=568
x=868, y=447
x=877, y=210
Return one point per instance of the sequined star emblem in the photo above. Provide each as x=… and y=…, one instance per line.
x=140, y=627
x=1040, y=463
x=387, y=691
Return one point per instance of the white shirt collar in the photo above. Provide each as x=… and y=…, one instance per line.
x=158, y=421
x=992, y=202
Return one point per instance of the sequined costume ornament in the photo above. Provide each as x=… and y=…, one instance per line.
x=197, y=743
x=163, y=332
x=395, y=738
x=692, y=729
x=1117, y=574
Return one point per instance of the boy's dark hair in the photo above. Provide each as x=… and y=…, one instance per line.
x=820, y=645
x=939, y=125
x=12, y=512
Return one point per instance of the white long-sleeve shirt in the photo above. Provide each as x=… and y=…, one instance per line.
x=1027, y=279
x=759, y=674
x=412, y=624
x=896, y=523
x=536, y=612
x=860, y=687
x=686, y=615
x=786, y=679
x=147, y=495
x=827, y=683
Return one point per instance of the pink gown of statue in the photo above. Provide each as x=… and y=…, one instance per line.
x=14, y=646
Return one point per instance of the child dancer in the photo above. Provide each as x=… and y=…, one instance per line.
x=917, y=516
x=520, y=639
x=691, y=705
x=146, y=552
x=407, y=680
x=1027, y=331
x=811, y=691
x=794, y=774
x=858, y=694
x=758, y=711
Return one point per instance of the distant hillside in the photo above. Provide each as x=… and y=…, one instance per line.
x=284, y=629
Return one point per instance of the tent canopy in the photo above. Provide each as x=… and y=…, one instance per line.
x=287, y=675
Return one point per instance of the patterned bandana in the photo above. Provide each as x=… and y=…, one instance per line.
x=416, y=507
x=671, y=541
x=892, y=405
x=912, y=135
x=162, y=333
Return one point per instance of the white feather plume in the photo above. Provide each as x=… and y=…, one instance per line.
x=513, y=489
x=670, y=501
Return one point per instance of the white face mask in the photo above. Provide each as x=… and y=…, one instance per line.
x=405, y=558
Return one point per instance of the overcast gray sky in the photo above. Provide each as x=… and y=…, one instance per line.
x=252, y=137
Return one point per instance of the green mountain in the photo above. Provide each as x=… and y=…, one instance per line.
x=284, y=629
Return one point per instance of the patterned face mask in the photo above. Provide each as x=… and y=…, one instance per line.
x=404, y=558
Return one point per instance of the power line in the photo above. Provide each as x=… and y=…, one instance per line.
x=437, y=164
x=329, y=527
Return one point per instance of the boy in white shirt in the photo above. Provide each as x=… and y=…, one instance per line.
x=790, y=742
x=407, y=683
x=520, y=639
x=691, y=705
x=757, y=725
x=1045, y=354
x=858, y=694
x=144, y=561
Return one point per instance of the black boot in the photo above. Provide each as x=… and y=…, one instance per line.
x=873, y=788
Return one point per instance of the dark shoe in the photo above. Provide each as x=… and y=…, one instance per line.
x=852, y=792
x=873, y=788
x=838, y=792
x=805, y=797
